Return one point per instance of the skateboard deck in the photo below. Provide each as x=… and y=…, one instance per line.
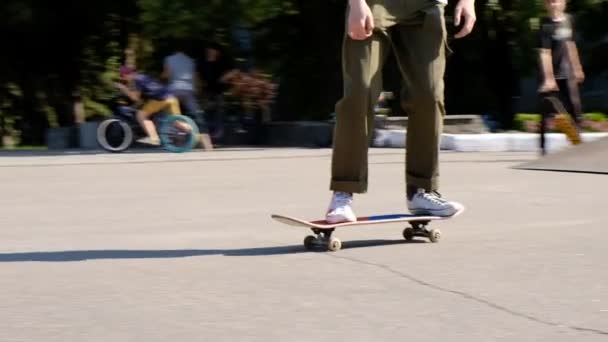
x=323, y=229
x=564, y=122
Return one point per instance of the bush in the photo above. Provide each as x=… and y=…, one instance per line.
x=599, y=117
x=522, y=120
x=530, y=122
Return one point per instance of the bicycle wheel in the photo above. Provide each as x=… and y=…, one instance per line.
x=173, y=136
x=114, y=135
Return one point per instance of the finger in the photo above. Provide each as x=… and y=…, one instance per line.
x=355, y=29
x=462, y=33
x=352, y=29
x=360, y=31
x=457, y=15
x=469, y=22
x=369, y=25
x=356, y=36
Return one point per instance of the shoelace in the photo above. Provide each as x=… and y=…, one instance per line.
x=433, y=197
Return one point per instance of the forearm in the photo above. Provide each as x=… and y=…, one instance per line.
x=574, y=57
x=546, y=65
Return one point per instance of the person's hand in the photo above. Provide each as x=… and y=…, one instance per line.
x=120, y=86
x=548, y=86
x=579, y=75
x=360, y=20
x=465, y=9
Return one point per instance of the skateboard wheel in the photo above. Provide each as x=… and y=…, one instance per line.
x=434, y=235
x=408, y=234
x=309, y=242
x=334, y=245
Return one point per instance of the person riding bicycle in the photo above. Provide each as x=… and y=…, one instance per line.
x=156, y=97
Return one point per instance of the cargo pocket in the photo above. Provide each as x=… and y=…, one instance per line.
x=434, y=25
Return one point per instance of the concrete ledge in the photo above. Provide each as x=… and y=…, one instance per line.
x=83, y=136
x=397, y=138
x=452, y=123
x=61, y=138
x=490, y=142
x=88, y=135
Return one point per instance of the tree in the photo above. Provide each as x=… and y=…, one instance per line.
x=64, y=48
x=55, y=57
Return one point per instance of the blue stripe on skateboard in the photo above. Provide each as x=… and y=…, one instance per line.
x=373, y=218
x=384, y=217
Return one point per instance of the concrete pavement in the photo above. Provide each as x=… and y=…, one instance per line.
x=166, y=247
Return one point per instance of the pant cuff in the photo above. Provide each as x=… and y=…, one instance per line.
x=347, y=186
x=424, y=183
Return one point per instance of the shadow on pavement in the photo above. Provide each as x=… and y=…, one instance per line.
x=84, y=255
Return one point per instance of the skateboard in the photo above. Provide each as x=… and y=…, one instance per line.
x=323, y=230
x=564, y=122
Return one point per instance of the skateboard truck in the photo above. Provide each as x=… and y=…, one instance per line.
x=322, y=238
x=419, y=228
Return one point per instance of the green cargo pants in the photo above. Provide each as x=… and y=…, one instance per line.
x=415, y=31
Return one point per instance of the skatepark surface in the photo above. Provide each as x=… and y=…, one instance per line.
x=181, y=247
x=590, y=157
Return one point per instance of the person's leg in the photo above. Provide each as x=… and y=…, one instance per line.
x=143, y=117
x=190, y=107
x=420, y=46
x=570, y=95
x=361, y=66
x=362, y=63
x=545, y=114
x=569, y=120
x=172, y=104
x=219, y=107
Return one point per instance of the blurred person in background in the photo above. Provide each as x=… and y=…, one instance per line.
x=560, y=65
x=217, y=72
x=156, y=97
x=180, y=72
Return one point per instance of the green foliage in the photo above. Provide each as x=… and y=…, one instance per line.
x=97, y=87
x=79, y=45
x=525, y=120
x=598, y=117
x=185, y=19
x=595, y=116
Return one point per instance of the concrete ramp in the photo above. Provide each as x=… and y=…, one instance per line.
x=589, y=157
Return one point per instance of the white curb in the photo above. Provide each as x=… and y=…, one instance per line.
x=489, y=142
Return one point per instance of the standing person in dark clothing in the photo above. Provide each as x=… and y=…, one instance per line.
x=180, y=71
x=560, y=65
x=216, y=71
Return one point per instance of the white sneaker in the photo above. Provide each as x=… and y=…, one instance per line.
x=149, y=141
x=431, y=203
x=340, y=209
